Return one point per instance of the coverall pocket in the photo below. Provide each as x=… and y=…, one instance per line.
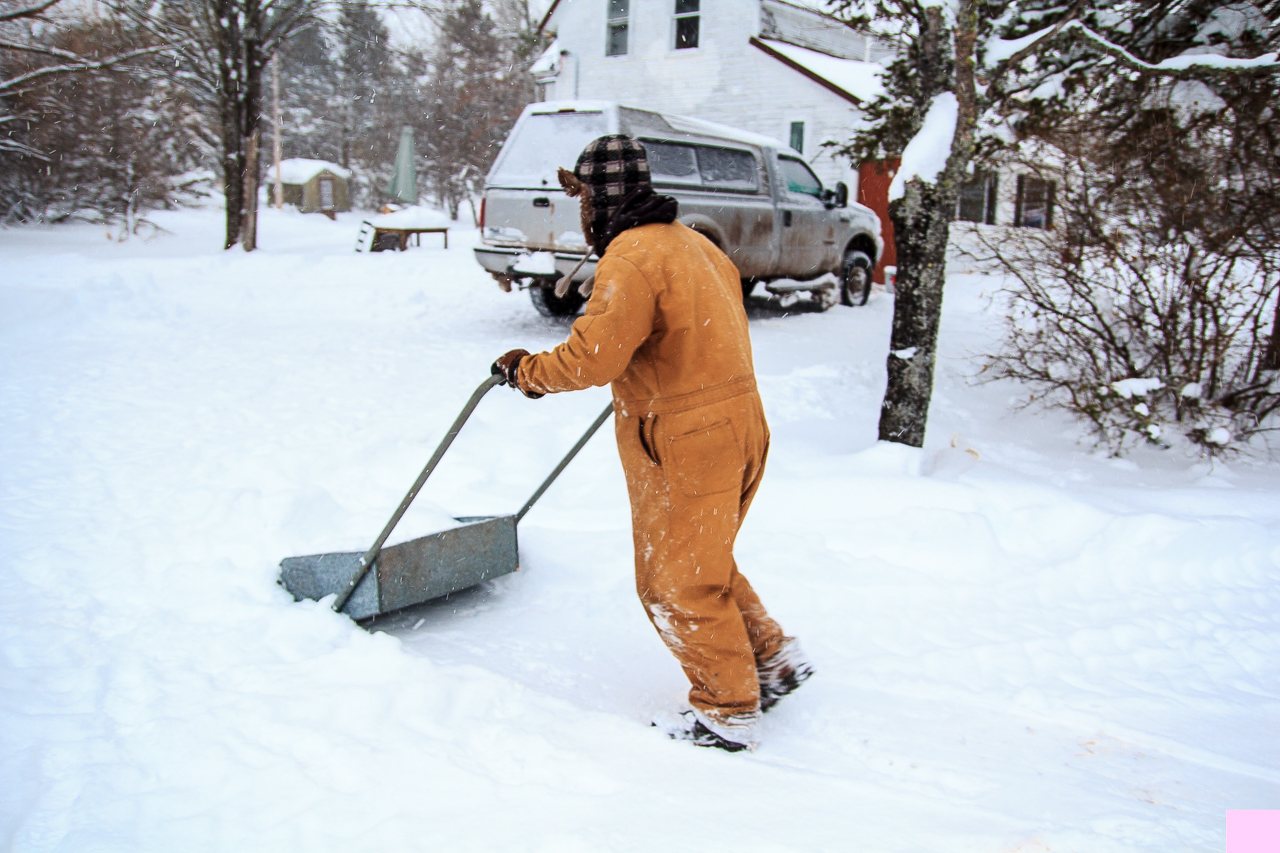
x=646, y=438
x=706, y=461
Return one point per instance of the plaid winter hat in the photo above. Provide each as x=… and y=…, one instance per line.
x=612, y=167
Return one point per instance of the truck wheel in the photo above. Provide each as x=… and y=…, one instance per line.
x=550, y=305
x=855, y=278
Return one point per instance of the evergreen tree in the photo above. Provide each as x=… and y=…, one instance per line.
x=479, y=84
x=365, y=66
x=311, y=114
x=984, y=93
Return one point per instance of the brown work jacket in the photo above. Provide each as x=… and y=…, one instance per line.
x=664, y=324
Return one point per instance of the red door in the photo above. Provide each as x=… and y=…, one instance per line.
x=873, y=191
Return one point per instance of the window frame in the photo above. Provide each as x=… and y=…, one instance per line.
x=786, y=185
x=990, y=185
x=1019, y=207
x=792, y=128
x=612, y=22
x=677, y=17
x=699, y=185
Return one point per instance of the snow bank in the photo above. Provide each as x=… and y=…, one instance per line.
x=926, y=154
x=1024, y=647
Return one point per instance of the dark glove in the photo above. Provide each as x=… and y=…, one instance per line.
x=507, y=364
x=507, y=367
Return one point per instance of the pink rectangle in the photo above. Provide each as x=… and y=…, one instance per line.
x=1253, y=831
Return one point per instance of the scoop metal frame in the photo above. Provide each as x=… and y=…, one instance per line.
x=381, y=580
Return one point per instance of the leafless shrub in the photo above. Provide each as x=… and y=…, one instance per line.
x=1140, y=321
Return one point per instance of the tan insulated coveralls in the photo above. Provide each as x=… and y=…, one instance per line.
x=665, y=325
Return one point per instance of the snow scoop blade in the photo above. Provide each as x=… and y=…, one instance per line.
x=412, y=572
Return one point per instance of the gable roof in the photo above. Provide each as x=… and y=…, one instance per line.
x=299, y=170
x=547, y=17
x=852, y=79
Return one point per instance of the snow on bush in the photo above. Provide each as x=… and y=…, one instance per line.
x=1144, y=332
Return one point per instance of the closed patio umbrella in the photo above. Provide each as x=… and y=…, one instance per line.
x=404, y=179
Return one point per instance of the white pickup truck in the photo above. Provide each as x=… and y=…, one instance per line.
x=749, y=194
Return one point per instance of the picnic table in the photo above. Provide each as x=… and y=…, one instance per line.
x=393, y=231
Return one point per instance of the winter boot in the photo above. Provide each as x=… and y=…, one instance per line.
x=782, y=673
x=688, y=726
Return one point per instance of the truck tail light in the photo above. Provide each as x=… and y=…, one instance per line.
x=481, y=223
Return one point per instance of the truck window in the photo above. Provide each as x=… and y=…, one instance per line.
x=671, y=163
x=727, y=168
x=702, y=165
x=799, y=178
x=540, y=143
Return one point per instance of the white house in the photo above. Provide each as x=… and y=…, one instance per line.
x=768, y=66
x=776, y=67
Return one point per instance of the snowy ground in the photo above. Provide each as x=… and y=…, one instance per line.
x=1038, y=650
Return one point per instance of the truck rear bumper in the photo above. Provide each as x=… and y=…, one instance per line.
x=502, y=260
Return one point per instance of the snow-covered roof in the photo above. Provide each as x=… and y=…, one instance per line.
x=570, y=106
x=540, y=10
x=299, y=170
x=818, y=7
x=546, y=18
x=850, y=78
x=412, y=217
x=548, y=62
x=688, y=124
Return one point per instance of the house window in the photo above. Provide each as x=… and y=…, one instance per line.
x=797, y=136
x=1034, y=205
x=615, y=43
x=687, y=24
x=977, y=201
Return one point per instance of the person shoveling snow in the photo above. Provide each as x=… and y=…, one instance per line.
x=666, y=326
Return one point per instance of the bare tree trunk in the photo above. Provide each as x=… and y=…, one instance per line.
x=1271, y=358
x=277, y=150
x=922, y=228
x=232, y=170
x=922, y=225
x=249, y=230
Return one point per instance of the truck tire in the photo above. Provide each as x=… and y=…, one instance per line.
x=549, y=305
x=855, y=278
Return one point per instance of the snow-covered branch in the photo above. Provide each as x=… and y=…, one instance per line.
x=42, y=49
x=1009, y=52
x=16, y=84
x=29, y=12
x=926, y=154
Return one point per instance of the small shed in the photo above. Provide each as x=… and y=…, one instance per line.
x=315, y=186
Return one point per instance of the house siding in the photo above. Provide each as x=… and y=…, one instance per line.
x=725, y=79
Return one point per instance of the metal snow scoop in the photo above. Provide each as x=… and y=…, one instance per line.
x=428, y=567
